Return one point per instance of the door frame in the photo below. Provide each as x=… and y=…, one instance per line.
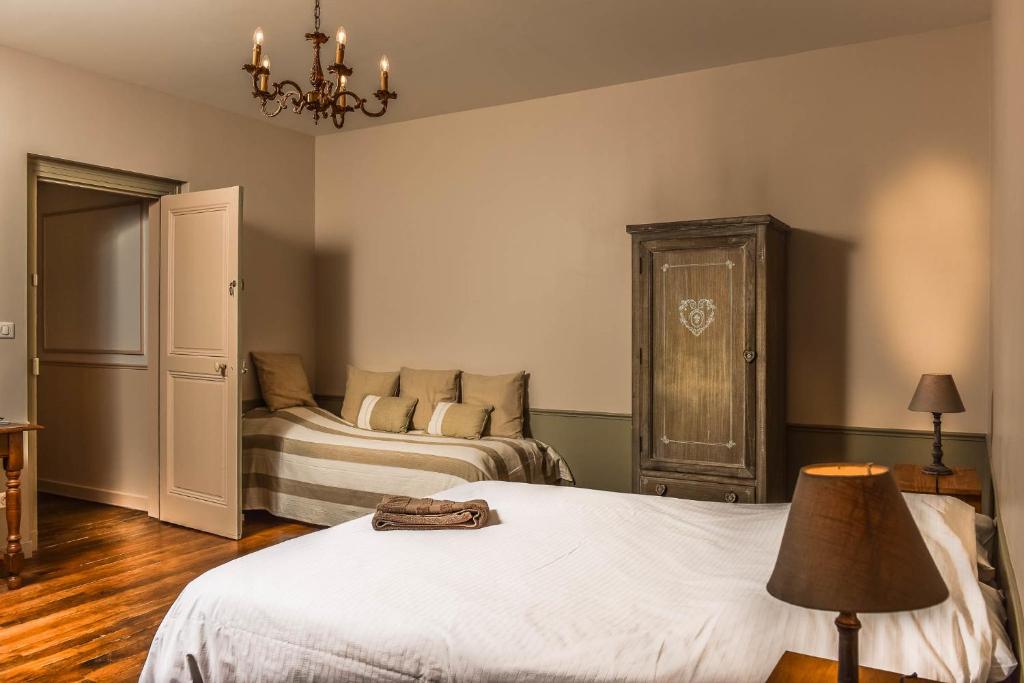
x=87, y=176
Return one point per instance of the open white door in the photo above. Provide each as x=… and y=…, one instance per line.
x=200, y=405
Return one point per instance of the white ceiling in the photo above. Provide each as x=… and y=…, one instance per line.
x=447, y=55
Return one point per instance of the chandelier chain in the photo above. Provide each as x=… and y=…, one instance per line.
x=316, y=17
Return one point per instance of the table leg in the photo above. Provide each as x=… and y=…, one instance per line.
x=14, y=558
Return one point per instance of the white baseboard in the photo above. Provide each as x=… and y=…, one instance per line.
x=96, y=495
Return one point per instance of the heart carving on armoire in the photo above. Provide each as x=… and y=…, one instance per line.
x=696, y=315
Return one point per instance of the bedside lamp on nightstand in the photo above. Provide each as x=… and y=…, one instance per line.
x=851, y=545
x=936, y=394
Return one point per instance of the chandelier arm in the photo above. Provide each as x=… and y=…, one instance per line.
x=383, y=104
x=294, y=99
x=271, y=113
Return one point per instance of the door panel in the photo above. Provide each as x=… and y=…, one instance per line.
x=703, y=308
x=200, y=401
x=195, y=410
x=198, y=256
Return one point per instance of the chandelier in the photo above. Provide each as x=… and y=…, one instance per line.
x=325, y=99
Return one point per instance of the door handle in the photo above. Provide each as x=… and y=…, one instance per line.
x=749, y=355
x=222, y=369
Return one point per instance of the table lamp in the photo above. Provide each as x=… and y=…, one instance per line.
x=850, y=546
x=936, y=394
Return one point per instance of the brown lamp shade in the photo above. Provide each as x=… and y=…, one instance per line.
x=851, y=545
x=936, y=394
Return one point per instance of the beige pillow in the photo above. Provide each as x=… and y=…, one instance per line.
x=282, y=380
x=428, y=387
x=363, y=382
x=385, y=413
x=458, y=419
x=506, y=393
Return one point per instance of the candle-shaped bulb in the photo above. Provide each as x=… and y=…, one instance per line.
x=265, y=75
x=385, y=66
x=257, y=45
x=339, y=48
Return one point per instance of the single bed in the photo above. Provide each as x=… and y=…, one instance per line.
x=308, y=464
x=569, y=585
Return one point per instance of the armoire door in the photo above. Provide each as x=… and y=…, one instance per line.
x=200, y=405
x=703, y=347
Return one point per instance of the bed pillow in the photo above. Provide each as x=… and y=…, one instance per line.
x=505, y=393
x=460, y=420
x=361, y=383
x=282, y=380
x=428, y=387
x=385, y=413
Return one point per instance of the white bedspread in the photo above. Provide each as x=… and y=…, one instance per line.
x=571, y=585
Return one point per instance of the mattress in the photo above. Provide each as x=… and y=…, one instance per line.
x=568, y=585
x=307, y=464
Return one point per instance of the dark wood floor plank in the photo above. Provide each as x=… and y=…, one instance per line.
x=99, y=585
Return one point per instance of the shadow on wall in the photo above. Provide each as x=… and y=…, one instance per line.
x=818, y=302
x=279, y=282
x=333, y=316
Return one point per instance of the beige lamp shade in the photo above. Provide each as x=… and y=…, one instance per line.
x=851, y=545
x=936, y=394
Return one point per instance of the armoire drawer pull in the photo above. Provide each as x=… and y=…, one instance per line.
x=661, y=489
x=731, y=497
x=749, y=355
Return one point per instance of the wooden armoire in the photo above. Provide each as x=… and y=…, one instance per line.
x=709, y=359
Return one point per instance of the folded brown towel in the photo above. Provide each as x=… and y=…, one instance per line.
x=403, y=512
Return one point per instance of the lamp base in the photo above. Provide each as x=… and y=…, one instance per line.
x=848, y=625
x=937, y=469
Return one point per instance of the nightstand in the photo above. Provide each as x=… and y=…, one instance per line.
x=797, y=668
x=963, y=483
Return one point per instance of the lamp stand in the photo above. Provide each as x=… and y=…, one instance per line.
x=848, y=625
x=937, y=468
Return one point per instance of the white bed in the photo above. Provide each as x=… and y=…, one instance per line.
x=570, y=585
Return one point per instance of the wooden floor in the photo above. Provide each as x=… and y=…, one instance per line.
x=101, y=582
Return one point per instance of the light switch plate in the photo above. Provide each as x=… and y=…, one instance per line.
x=6, y=330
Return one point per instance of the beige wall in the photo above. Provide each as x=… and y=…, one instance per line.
x=109, y=123
x=493, y=240
x=1007, y=433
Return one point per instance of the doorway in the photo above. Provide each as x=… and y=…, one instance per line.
x=133, y=279
x=97, y=323
x=92, y=333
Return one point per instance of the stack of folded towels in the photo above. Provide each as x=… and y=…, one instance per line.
x=403, y=512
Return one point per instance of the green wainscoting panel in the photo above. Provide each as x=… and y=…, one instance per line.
x=596, y=445
x=809, y=444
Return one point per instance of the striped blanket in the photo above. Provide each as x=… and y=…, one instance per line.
x=307, y=464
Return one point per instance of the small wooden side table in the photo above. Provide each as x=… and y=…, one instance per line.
x=963, y=483
x=12, y=452
x=797, y=668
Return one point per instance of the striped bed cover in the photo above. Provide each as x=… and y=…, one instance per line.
x=307, y=464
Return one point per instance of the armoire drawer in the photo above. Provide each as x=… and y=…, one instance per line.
x=696, y=490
